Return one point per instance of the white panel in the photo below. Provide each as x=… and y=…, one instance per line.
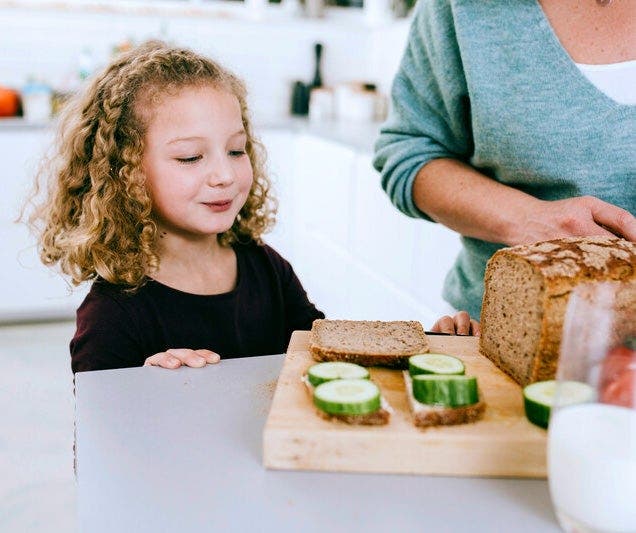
x=29, y=288
x=385, y=238
x=325, y=195
x=322, y=269
x=436, y=249
x=372, y=297
x=280, y=146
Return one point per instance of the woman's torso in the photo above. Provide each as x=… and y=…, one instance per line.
x=538, y=124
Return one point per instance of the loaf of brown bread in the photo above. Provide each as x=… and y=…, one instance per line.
x=526, y=293
x=367, y=342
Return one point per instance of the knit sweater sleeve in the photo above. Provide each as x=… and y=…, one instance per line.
x=430, y=109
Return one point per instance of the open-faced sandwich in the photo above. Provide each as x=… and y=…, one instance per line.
x=343, y=391
x=439, y=392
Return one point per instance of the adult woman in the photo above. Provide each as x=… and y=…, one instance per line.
x=508, y=127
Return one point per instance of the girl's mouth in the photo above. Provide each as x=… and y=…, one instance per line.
x=219, y=207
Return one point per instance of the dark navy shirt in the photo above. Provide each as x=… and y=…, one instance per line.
x=116, y=329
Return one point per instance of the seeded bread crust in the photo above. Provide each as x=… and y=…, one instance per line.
x=366, y=342
x=431, y=415
x=526, y=293
x=380, y=417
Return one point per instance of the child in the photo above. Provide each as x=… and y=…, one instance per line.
x=160, y=197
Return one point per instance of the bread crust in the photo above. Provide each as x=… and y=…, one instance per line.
x=389, y=361
x=342, y=331
x=380, y=417
x=561, y=265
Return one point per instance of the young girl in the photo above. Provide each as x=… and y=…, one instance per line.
x=159, y=196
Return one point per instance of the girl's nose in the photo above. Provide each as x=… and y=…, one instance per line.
x=219, y=174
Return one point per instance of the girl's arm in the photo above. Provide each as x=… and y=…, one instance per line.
x=106, y=336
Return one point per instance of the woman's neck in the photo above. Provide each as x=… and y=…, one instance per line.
x=198, y=266
x=592, y=33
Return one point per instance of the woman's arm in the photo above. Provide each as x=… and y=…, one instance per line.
x=458, y=196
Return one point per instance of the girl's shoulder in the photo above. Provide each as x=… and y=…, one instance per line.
x=263, y=253
x=111, y=297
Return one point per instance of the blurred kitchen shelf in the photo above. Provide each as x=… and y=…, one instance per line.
x=21, y=123
x=273, y=14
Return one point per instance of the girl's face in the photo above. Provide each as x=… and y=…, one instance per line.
x=197, y=172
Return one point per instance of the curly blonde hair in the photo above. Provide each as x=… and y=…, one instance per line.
x=95, y=219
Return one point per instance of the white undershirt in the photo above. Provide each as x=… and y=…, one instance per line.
x=616, y=80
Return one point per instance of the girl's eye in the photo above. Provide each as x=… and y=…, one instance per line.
x=189, y=160
x=237, y=153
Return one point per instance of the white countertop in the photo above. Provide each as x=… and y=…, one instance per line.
x=180, y=450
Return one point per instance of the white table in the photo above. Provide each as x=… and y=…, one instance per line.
x=180, y=450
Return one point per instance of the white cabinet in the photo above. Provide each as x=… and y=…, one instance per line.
x=357, y=256
x=30, y=290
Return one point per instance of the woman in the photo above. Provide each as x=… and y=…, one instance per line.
x=514, y=122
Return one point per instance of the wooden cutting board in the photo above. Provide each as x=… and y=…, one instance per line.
x=503, y=443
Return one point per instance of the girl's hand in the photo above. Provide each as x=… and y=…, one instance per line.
x=175, y=357
x=460, y=324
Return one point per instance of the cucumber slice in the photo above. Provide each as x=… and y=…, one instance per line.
x=446, y=391
x=435, y=363
x=538, y=398
x=329, y=371
x=347, y=397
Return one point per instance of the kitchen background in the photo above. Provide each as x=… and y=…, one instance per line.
x=356, y=255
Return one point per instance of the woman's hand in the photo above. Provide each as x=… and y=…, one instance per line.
x=575, y=217
x=176, y=357
x=474, y=205
x=460, y=324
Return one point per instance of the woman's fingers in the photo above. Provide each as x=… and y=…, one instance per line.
x=619, y=221
x=176, y=357
x=462, y=323
x=444, y=325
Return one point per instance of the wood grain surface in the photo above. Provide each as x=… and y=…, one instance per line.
x=502, y=444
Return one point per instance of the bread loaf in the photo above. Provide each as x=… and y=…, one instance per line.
x=367, y=342
x=526, y=293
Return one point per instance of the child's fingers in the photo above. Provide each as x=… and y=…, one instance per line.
x=187, y=357
x=476, y=327
x=444, y=325
x=210, y=356
x=163, y=359
x=462, y=323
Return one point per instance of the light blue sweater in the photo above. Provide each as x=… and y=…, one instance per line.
x=488, y=83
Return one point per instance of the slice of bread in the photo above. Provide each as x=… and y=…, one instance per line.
x=380, y=417
x=367, y=343
x=526, y=293
x=433, y=415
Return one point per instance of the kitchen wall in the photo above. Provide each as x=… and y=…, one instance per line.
x=322, y=172
x=269, y=53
